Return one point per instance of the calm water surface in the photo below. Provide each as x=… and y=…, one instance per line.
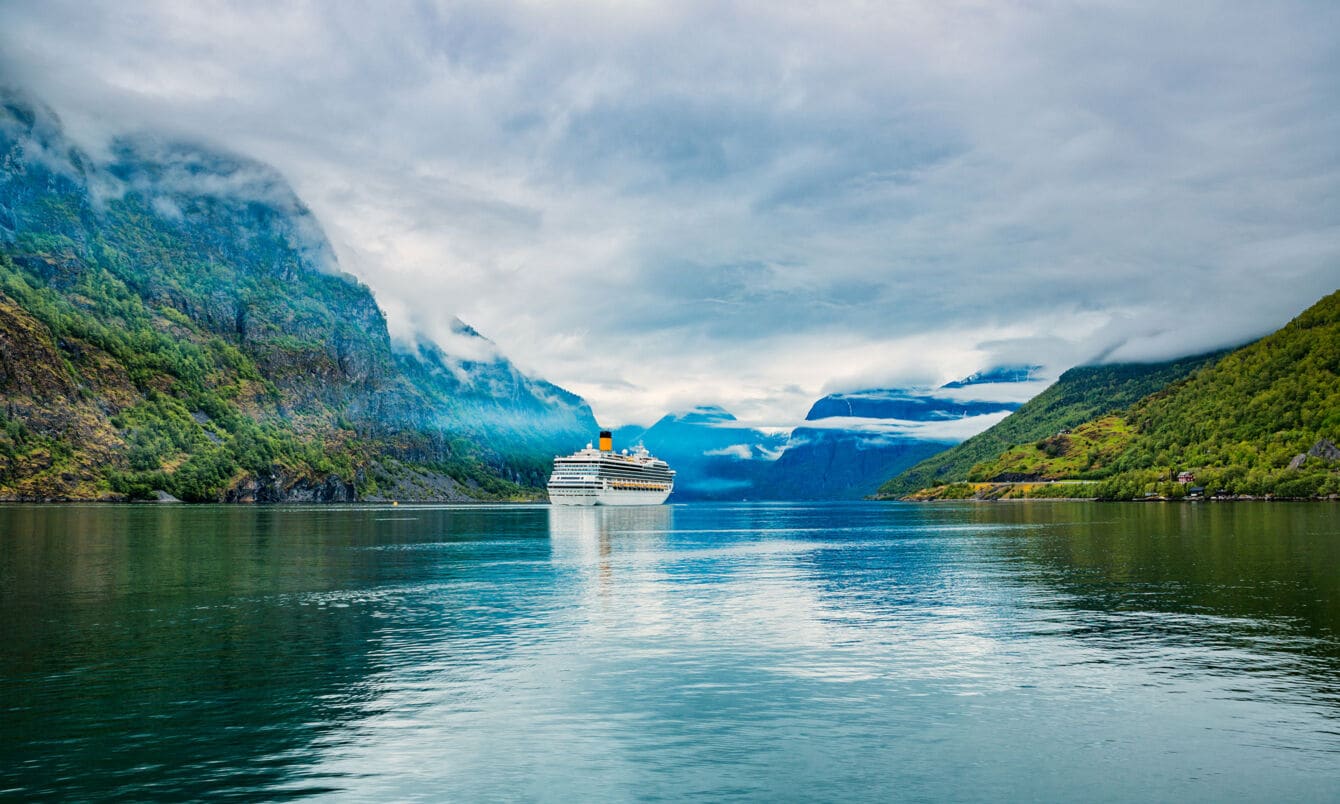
x=765, y=652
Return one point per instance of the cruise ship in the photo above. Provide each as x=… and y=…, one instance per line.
x=604, y=477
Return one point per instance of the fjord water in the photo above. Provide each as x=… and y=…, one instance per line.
x=831, y=652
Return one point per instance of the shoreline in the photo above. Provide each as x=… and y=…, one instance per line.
x=267, y=504
x=1197, y=500
x=541, y=501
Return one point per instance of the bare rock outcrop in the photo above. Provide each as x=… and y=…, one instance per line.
x=1325, y=450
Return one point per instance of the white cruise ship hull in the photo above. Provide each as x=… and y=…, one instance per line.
x=602, y=477
x=606, y=497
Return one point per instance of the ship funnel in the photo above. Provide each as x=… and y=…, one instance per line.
x=606, y=441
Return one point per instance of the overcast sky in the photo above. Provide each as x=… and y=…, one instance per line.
x=659, y=205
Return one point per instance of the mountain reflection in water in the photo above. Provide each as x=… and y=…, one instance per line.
x=831, y=651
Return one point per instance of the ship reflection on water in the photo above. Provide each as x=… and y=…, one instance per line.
x=590, y=538
x=761, y=652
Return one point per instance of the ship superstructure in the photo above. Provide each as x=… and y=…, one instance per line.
x=602, y=476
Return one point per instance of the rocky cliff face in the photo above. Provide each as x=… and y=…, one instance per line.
x=175, y=318
x=55, y=433
x=279, y=486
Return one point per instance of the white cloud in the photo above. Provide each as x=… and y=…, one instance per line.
x=948, y=430
x=749, y=204
x=738, y=451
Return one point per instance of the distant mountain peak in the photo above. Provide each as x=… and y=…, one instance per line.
x=902, y=404
x=998, y=374
x=704, y=414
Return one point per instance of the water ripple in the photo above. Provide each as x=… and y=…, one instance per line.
x=834, y=652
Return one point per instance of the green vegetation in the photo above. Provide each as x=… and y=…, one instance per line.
x=1257, y=422
x=1079, y=395
x=1063, y=490
x=1086, y=452
x=1239, y=424
x=206, y=350
x=180, y=430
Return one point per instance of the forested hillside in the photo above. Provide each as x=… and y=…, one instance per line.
x=1263, y=420
x=1079, y=395
x=175, y=320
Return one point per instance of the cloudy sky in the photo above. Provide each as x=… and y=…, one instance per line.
x=659, y=205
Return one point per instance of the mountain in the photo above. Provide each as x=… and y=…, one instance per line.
x=853, y=442
x=848, y=444
x=714, y=456
x=1079, y=394
x=996, y=376
x=174, y=318
x=902, y=404
x=841, y=464
x=489, y=400
x=1262, y=420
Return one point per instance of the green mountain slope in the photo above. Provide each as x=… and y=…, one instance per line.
x=1079, y=395
x=1257, y=422
x=174, y=318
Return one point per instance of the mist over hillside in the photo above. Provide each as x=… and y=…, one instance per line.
x=174, y=319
